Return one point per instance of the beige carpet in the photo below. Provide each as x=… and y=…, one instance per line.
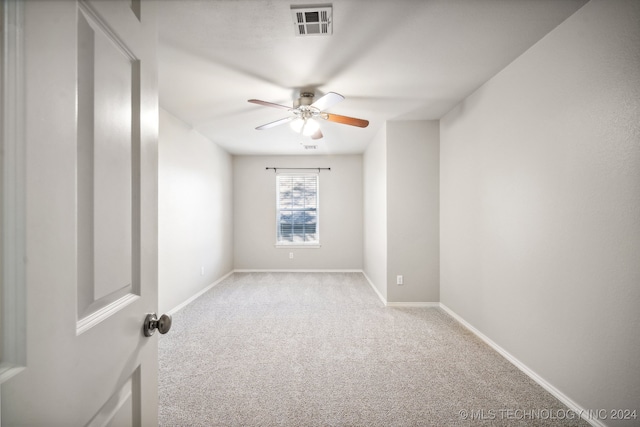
x=320, y=349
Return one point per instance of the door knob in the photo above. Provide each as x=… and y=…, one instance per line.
x=151, y=323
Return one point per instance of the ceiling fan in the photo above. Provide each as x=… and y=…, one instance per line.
x=306, y=111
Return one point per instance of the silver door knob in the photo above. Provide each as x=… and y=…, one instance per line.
x=151, y=323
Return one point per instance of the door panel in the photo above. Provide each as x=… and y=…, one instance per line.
x=90, y=126
x=119, y=409
x=108, y=76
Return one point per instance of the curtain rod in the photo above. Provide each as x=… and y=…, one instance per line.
x=318, y=169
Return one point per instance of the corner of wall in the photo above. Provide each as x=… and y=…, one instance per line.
x=374, y=172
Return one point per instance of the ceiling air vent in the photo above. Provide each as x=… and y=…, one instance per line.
x=312, y=20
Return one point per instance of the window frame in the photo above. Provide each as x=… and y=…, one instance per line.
x=293, y=245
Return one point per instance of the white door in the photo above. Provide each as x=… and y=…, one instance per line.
x=89, y=131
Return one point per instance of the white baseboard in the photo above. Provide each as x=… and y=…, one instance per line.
x=398, y=304
x=197, y=295
x=573, y=406
x=413, y=304
x=383, y=299
x=251, y=270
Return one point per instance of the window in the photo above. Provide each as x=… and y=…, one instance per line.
x=297, y=209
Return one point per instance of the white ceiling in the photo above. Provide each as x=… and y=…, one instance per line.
x=392, y=60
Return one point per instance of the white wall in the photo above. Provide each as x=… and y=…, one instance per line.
x=540, y=207
x=195, y=212
x=375, y=212
x=413, y=228
x=340, y=215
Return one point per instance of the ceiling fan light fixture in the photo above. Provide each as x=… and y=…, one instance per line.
x=297, y=124
x=310, y=127
x=305, y=126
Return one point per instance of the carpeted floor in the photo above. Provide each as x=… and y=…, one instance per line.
x=320, y=349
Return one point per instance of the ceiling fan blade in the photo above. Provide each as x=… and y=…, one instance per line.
x=346, y=120
x=328, y=100
x=269, y=104
x=276, y=123
x=317, y=135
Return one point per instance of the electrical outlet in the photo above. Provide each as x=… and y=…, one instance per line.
x=290, y=255
x=202, y=271
x=399, y=280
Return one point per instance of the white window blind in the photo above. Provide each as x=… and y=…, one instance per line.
x=297, y=209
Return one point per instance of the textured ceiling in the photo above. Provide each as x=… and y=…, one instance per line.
x=392, y=60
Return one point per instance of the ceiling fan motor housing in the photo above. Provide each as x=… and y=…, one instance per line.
x=306, y=98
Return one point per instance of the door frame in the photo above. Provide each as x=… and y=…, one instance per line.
x=12, y=203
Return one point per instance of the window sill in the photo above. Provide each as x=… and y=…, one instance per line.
x=297, y=246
